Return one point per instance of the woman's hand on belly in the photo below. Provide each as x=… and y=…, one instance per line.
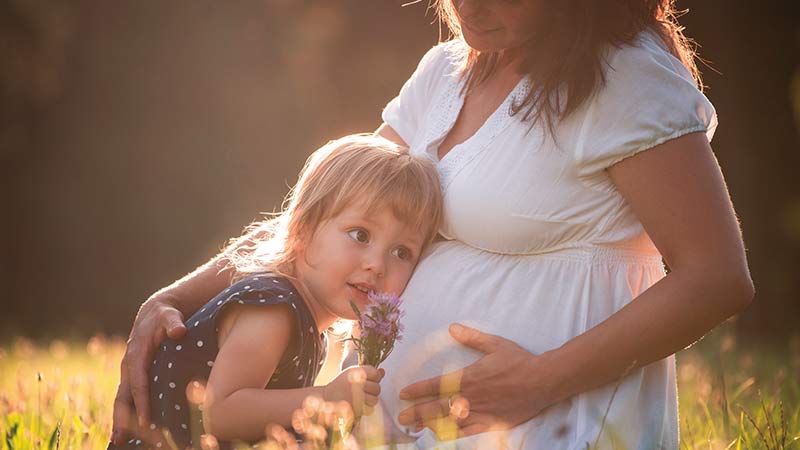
x=504, y=388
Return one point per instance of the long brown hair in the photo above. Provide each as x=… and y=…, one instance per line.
x=565, y=56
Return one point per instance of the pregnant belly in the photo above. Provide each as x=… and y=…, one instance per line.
x=539, y=302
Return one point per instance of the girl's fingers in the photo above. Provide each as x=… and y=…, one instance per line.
x=370, y=400
x=372, y=373
x=372, y=388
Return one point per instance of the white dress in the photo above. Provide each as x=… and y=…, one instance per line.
x=540, y=245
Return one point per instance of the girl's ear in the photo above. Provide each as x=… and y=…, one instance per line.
x=301, y=241
x=299, y=245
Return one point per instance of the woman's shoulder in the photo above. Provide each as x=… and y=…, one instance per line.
x=648, y=98
x=646, y=55
x=445, y=58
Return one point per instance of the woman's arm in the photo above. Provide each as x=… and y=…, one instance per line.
x=678, y=192
x=679, y=195
x=252, y=341
x=160, y=316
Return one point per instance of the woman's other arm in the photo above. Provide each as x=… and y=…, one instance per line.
x=677, y=191
x=160, y=316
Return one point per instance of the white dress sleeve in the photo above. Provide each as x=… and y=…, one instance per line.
x=649, y=98
x=405, y=112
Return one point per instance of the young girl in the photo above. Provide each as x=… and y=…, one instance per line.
x=357, y=221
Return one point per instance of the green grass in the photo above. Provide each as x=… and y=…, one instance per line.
x=59, y=395
x=739, y=396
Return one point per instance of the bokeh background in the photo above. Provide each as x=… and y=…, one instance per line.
x=137, y=136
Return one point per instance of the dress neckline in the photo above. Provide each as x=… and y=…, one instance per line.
x=444, y=116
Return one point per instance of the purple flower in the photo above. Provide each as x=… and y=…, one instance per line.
x=380, y=328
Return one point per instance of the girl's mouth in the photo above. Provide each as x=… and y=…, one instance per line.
x=359, y=291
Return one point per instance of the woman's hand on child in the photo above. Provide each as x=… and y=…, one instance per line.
x=358, y=385
x=156, y=320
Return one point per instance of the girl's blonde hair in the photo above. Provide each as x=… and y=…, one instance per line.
x=360, y=167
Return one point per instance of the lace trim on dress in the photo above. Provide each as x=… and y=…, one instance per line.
x=443, y=116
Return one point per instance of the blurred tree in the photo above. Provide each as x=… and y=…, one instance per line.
x=136, y=136
x=752, y=52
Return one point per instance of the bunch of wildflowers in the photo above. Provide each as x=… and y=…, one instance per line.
x=380, y=328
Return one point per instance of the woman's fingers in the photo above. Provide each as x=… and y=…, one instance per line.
x=424, y=411
x=156, y=320
x=420, y=389
x=459, y=407
x=172, y=322
x=483, y=342
x=441, y=386
x=455, y=409
x=505, y=387
x=474, y=428
x=135, y=363
x=122, y=418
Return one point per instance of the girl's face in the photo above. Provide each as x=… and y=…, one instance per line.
x=494, y=25
x=352, y=254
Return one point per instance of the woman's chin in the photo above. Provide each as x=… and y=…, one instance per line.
x=483, y=42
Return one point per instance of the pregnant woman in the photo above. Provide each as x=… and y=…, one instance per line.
x=573, y=146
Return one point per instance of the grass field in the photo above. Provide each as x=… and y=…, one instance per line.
x=59, y=394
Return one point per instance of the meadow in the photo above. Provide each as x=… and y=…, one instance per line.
x=58, y=395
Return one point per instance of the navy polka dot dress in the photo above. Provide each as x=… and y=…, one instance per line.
x=180, y=364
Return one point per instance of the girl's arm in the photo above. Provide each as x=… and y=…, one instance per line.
x=160, y=316
x=678, y=193
x=252, y=341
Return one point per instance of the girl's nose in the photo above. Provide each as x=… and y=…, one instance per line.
x=375, y=263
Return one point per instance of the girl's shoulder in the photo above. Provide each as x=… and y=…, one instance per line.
x=262, y=289
x=262, y=284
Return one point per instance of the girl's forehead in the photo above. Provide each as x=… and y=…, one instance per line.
x=369, y=212
x=378, y=215
x=399, y=210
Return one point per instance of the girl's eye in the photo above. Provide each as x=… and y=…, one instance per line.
x=402, y=253
x=359, y=235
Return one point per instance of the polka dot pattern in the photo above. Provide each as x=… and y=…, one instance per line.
x=191, y=358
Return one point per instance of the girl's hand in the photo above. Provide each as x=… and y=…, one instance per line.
x=359, y=386
x=157, y=319
x=504, y=388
